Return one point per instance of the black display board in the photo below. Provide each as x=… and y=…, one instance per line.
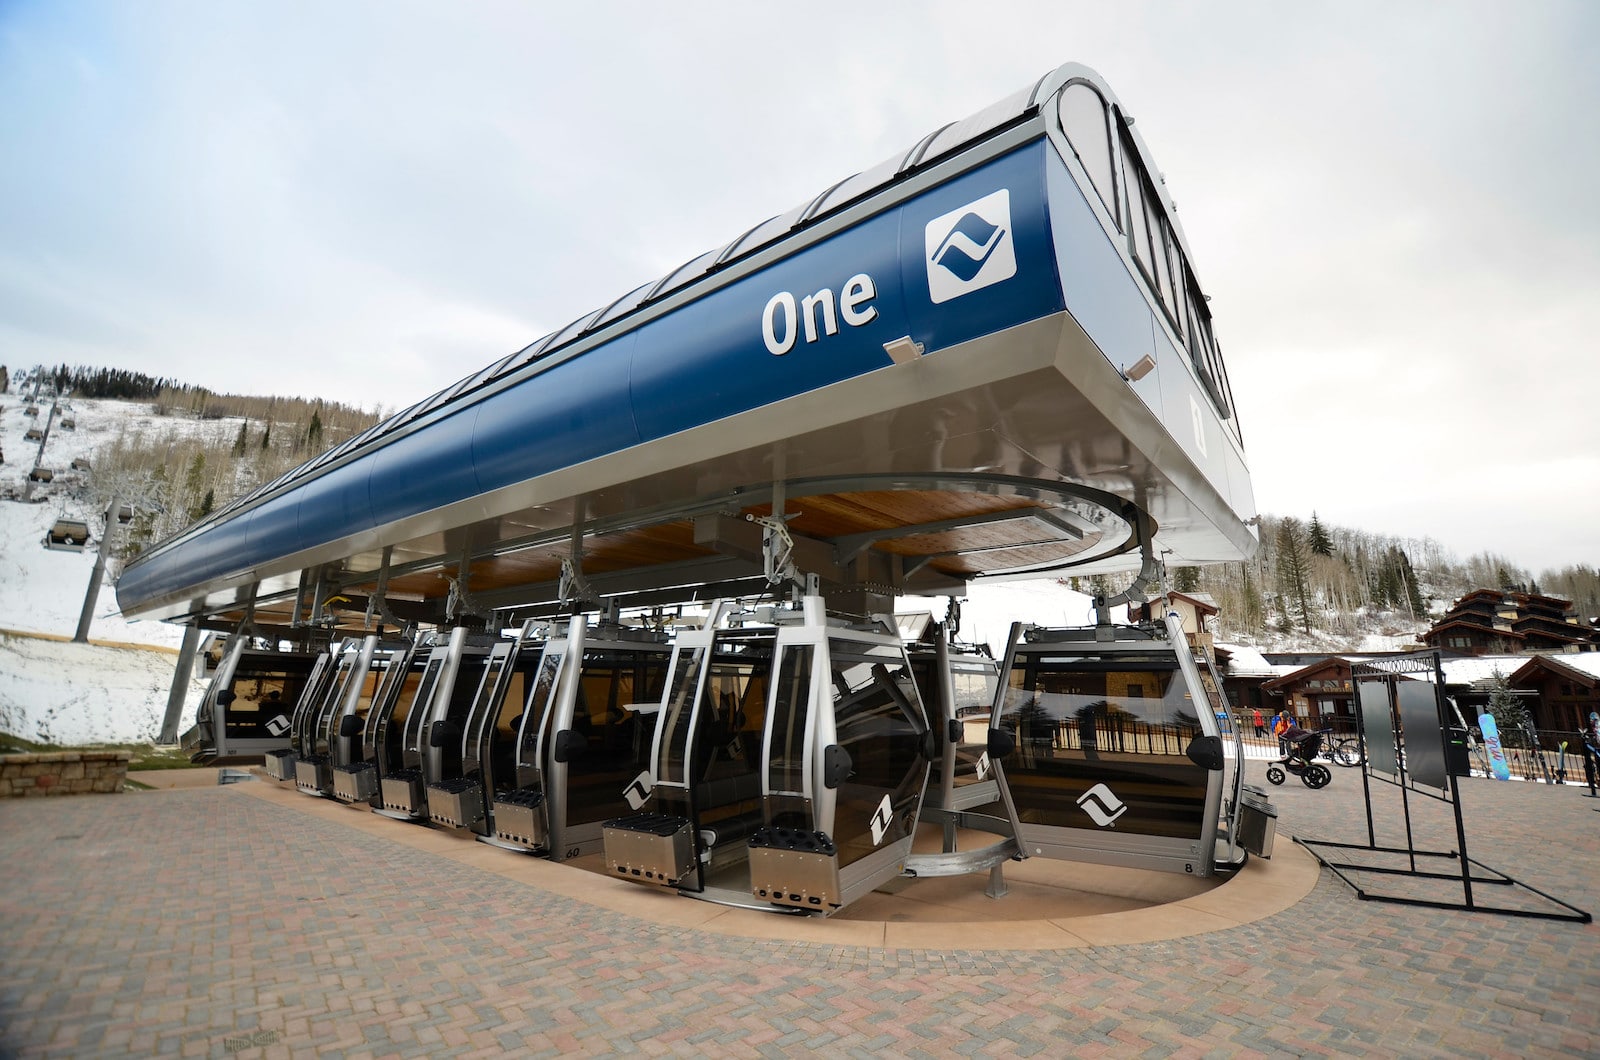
x=1377, y=727
x=1419, y=720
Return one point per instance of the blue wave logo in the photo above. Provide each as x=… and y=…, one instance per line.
x=1102, y=806
x=968, y=246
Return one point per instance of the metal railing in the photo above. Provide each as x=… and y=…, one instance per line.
x=1531, y=756
x=1535, y=755
x=1112, y=734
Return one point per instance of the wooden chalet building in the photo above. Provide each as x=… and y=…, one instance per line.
x=1318, y=695
x=1568, y=688
x=1244, y=671
x=1195, y=610
x=1496, y=622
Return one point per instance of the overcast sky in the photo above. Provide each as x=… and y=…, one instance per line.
x=1391, y=205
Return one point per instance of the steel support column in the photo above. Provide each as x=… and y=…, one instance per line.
x=180, y=685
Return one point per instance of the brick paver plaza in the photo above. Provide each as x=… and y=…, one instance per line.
x=223, y=921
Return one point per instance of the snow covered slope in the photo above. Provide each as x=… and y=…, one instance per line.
x=61, y=692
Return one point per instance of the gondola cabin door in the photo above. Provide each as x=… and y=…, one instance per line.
x=845, y=762
x=706, y=766
x=521, y=812
x=597, y=742
x=311, y=698
x=453, y=696
x=344, y=737
x=958, y=689
x=401, y=676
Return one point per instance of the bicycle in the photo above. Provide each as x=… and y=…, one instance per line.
x=1345, y=751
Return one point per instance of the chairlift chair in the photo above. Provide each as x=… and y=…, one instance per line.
x=67, y=535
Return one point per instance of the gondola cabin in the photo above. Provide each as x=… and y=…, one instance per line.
x=582, y=742
x=791, y=756
x=1111, y=744
x=246, y=710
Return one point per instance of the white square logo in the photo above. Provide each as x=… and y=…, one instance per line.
x=970, y=248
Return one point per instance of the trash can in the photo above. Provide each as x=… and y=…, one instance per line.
x=1258, y=821
x=1457, y=759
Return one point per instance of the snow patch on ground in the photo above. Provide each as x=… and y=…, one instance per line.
x=73, y=694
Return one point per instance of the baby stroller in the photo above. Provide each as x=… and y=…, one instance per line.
x=1303, y=747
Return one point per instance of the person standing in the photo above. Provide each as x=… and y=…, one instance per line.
x=1280, y=726
x=1591, y=750
x=1261, y=724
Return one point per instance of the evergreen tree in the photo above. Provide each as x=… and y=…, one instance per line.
x=266, y=436
x=1253, y=608
x=1186, y=579
x=1386, y=589
x=314, y=432
x=240, y=442
x=5, y=379
x=1294, y=575
x=208, y=503
x=1317, y=538
x=1408, y=584
x=1510, y=714
x=191, y=484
